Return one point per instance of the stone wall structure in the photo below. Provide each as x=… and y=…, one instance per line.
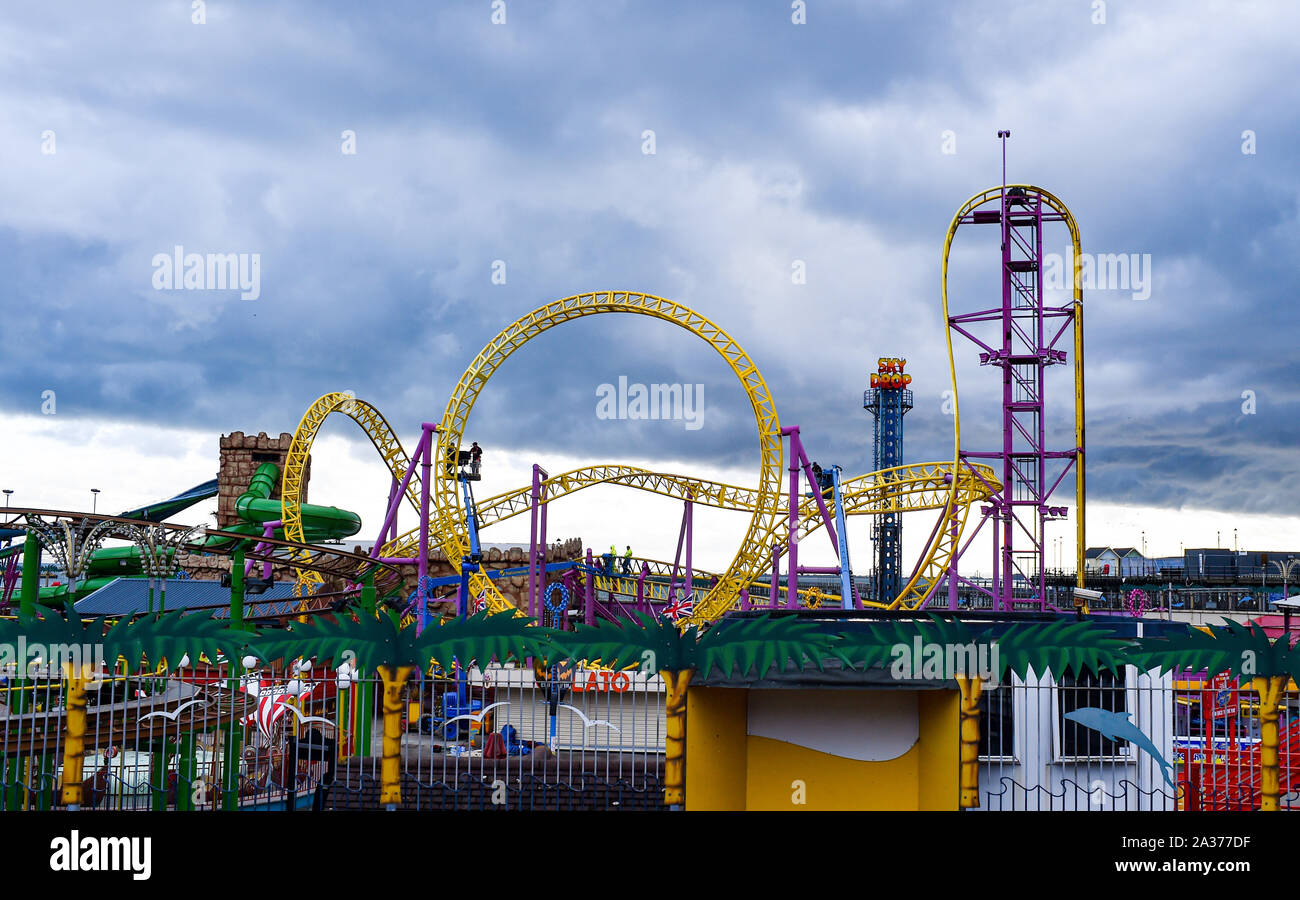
x=241, y=454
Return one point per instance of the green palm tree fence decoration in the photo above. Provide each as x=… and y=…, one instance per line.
x=379, y=643
x=1246, y=653
x=749, y=645
x=78, y=647
x=975, y=653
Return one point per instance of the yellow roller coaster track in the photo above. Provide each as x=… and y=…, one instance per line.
x=376, y=428
x=657, y=589
x=988, y=196
x=450, y=516
x=907, y=488
x=917, y=486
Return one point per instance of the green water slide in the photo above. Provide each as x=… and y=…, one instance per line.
x=255, y=509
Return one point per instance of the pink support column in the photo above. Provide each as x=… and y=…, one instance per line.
x=792, y=536
x=541, y=564
x=537, y=543
x=690, y=542
x=642, y=604
x=589, y=615
x=952, y=566
x=776, y=575
x=421, y=599
x=996, y=584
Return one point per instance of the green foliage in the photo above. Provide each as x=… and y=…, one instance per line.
x=1241, y=650
x=1059, y=646
x=749, y=645
x=372, y=641
x=146, y=639
x=173, y=636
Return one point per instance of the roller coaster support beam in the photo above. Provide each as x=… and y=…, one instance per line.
x=398, y=490
x=368, y=592
x=589, y=598
x=237, y=587
x=684, y=536
x=792, y=527
x=952, y=566
x=425, y=454
x=470, y=562
x=848, y=591
x=641, y=604
x=31, y=584
x=799, y=464
x=268, y=531
x=776, y=575
x=537, y=538
x=987, y=513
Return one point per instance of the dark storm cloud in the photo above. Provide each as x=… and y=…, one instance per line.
x=775, y=143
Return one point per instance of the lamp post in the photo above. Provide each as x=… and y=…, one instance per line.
x=94, y=499
x=8, y=491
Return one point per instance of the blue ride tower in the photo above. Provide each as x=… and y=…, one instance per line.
x=888, y=400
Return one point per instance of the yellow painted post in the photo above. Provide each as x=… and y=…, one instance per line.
x=390, y=767
x=971, y=687
x=74, y=735
x=676, y=684
x=1270, y=695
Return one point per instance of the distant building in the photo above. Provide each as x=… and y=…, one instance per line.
x=1166, y=565
x=1201, y=562
x=1212, y=562
x=1118, y=561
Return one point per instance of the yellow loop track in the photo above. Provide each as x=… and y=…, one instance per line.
x=917, y=486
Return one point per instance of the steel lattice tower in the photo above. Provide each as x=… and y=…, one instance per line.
x=888, y=401
x=1020, y=339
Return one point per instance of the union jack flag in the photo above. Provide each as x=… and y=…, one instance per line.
x=681, y=607
x=480, y=602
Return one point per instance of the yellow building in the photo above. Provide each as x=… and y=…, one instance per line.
x=801, y=742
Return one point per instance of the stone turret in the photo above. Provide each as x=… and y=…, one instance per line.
x=241, y=454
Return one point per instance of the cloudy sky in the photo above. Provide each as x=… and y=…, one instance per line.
x=840, y=147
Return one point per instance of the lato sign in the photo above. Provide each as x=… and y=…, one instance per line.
x=889, y=373
x=601, y=680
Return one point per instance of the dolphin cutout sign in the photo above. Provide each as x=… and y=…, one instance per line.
x=1119, y=727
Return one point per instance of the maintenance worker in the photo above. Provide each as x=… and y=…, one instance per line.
x=475, y=457
x=609, y=561
x=627, y=560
